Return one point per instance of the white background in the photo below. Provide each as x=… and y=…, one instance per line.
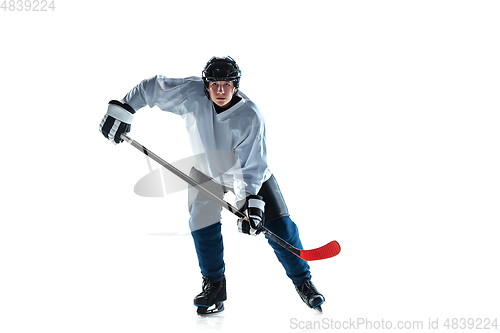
x=383, y=132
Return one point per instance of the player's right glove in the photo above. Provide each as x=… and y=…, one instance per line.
x=116, y=121
x=253, y=223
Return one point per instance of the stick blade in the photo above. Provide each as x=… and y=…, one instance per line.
x=326, y=251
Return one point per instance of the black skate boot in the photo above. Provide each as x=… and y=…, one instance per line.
x=210, y=299
x=310, y=295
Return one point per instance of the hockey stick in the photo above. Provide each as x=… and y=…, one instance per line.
x=326, y=251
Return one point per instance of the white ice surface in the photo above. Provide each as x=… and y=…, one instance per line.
x=382, y=122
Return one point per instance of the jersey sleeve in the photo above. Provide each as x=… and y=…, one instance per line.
x=160, y=91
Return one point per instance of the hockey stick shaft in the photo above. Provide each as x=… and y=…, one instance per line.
x=327, y=251
x=183, y=176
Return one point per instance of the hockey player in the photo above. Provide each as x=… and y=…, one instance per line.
x=228, y=137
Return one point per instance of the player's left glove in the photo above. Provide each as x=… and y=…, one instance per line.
x=254, y=209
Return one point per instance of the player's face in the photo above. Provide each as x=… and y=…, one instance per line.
x=221, y=92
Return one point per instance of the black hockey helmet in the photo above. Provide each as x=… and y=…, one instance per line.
x=221, y=69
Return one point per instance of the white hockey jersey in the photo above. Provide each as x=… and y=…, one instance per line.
x=230, y=147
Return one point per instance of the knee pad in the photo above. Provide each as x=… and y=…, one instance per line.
x=284, y=227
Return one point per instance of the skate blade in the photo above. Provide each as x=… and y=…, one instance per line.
x=318, y=307
x=205, y=310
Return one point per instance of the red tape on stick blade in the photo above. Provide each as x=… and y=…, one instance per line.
x=326, y=251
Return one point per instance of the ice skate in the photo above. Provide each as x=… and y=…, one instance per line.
x=211, y=299
x=310, y=295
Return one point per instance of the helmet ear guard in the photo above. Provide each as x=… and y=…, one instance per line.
x=221, y=69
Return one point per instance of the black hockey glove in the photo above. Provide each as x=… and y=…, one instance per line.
x=116, y=121
x=254, y=209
